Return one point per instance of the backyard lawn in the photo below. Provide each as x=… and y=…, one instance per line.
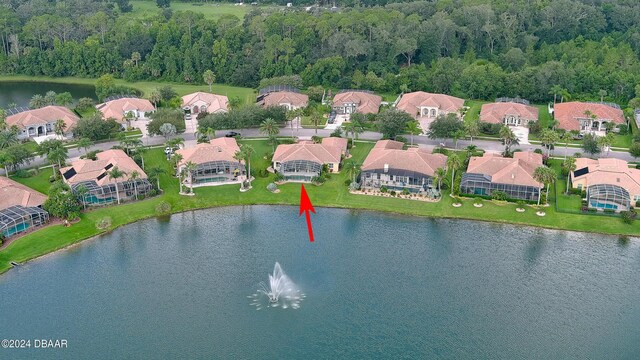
x=333, y=193
x=211, y=11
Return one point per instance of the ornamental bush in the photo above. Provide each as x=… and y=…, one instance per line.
x=103, y=223
x=163, y=208
x=272, y=187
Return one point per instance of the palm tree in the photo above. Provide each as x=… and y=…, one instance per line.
x=508, y=137
x=316, y=118
x=457, y=135
x=439, y=174
x=548, y=138
x=190, y=167
x=176, y=159
x=155, y=172
x=544, y=175
x=570, y=165
x=209, y=78
x=135, y=175
x=471, y=149
x=139, y=150
x=116, y=174
x=59, y=127
x=81, y=192
x=472, y=129
x=413, y=128
x=270, y=128
x=210, y=133
x=128, y=116
x=57, y=155
x=602, y=94
x=85, y=143
x=155, y=97
x=245, y=154
x=8, y=138
x=352, y=168
x=606, y=142
x=453, y=163
x=555, y=90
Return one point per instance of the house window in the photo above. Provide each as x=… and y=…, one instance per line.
x=580, y=186
x=331, y=166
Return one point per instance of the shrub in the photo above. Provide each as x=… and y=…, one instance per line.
x=347, y=182
x=103, y=223
x=477, y=200
x=609, y=211
x=22, y=173
x=405, y=191
x=152, y=192
x=401, y=139
x=489, y=128
x=538, y=151
x=628, y=216
x=637, y=203
x=278, y=177
x=336, y=133
x=316, y=139
x=575, y=191
x=354, y=186
x=272, y=187
x=163, y=208
x=263, y=173
x=623, y=130
x=392, y=193
x=383, y=189
x=499, y=195
x=92, y=155
x=521, y=203
x=543, y=198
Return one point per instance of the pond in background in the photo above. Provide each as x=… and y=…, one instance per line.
x=20, y=92
x=376, y=285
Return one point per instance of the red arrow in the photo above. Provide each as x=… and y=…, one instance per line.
x=306, y=206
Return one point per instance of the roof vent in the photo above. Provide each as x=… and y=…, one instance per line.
x=386, y=168
x=617, y=179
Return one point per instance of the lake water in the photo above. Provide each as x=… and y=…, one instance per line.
x=20, y=93
x=377, y=287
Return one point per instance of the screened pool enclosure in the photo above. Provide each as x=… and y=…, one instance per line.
x=91, y=194
x=17, y=218
x=217, y=172
x=608, y=197
x=479, y=184
x=300, y=170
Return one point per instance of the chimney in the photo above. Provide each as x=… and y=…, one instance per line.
x=386, y=168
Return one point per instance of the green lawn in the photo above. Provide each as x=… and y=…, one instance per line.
x=247, y=95
x=331, y=194
x=305, y=121
x=473, y=114
x=39, y=182
x=211, y=11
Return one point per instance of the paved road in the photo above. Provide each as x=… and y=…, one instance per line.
x=421, y=140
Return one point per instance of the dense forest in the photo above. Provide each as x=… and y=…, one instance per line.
x=586, y=49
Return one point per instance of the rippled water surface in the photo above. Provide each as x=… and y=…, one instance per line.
x=376, y=286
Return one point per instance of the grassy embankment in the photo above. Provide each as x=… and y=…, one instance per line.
x=333, y=193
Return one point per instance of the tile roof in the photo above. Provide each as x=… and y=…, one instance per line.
x=13, y=193
x=319, y=153
x=284, y=97
x=43, y=116
x=219, y=149
x=367, y=103
x=215, y=103
x=495, y=112
x=411, y=102
x=336, y=142
x=517, y=170
x=608, y=171
x=116, y=108
x=88, y=170
x=568, y=113
x=388, y=153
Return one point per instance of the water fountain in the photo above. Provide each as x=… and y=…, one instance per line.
x=280, y=292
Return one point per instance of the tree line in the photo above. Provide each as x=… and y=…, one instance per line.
x=480, y=51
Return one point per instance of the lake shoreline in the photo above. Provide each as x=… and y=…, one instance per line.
x=366, y=210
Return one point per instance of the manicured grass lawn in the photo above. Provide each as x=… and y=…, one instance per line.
x=39, y=181
x=307, y=123
x=473, y=114
x=248, y=96
x=333, y=193
x=211, y=11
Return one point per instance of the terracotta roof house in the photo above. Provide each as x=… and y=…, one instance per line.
x=609, y=183
x=390, y=166
x=513, y=176
x=91, y=179
x=422, y=104
x=20, y=207
x=41, y=122
x=289, y=99
x=586, y=117
x=352, y=101
x=199, y=102
x=215, y=163
x=303, y=161
x=119, y=108
x=508, y=113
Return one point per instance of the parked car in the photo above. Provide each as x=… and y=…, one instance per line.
x=232, y=134
x=578, y=136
